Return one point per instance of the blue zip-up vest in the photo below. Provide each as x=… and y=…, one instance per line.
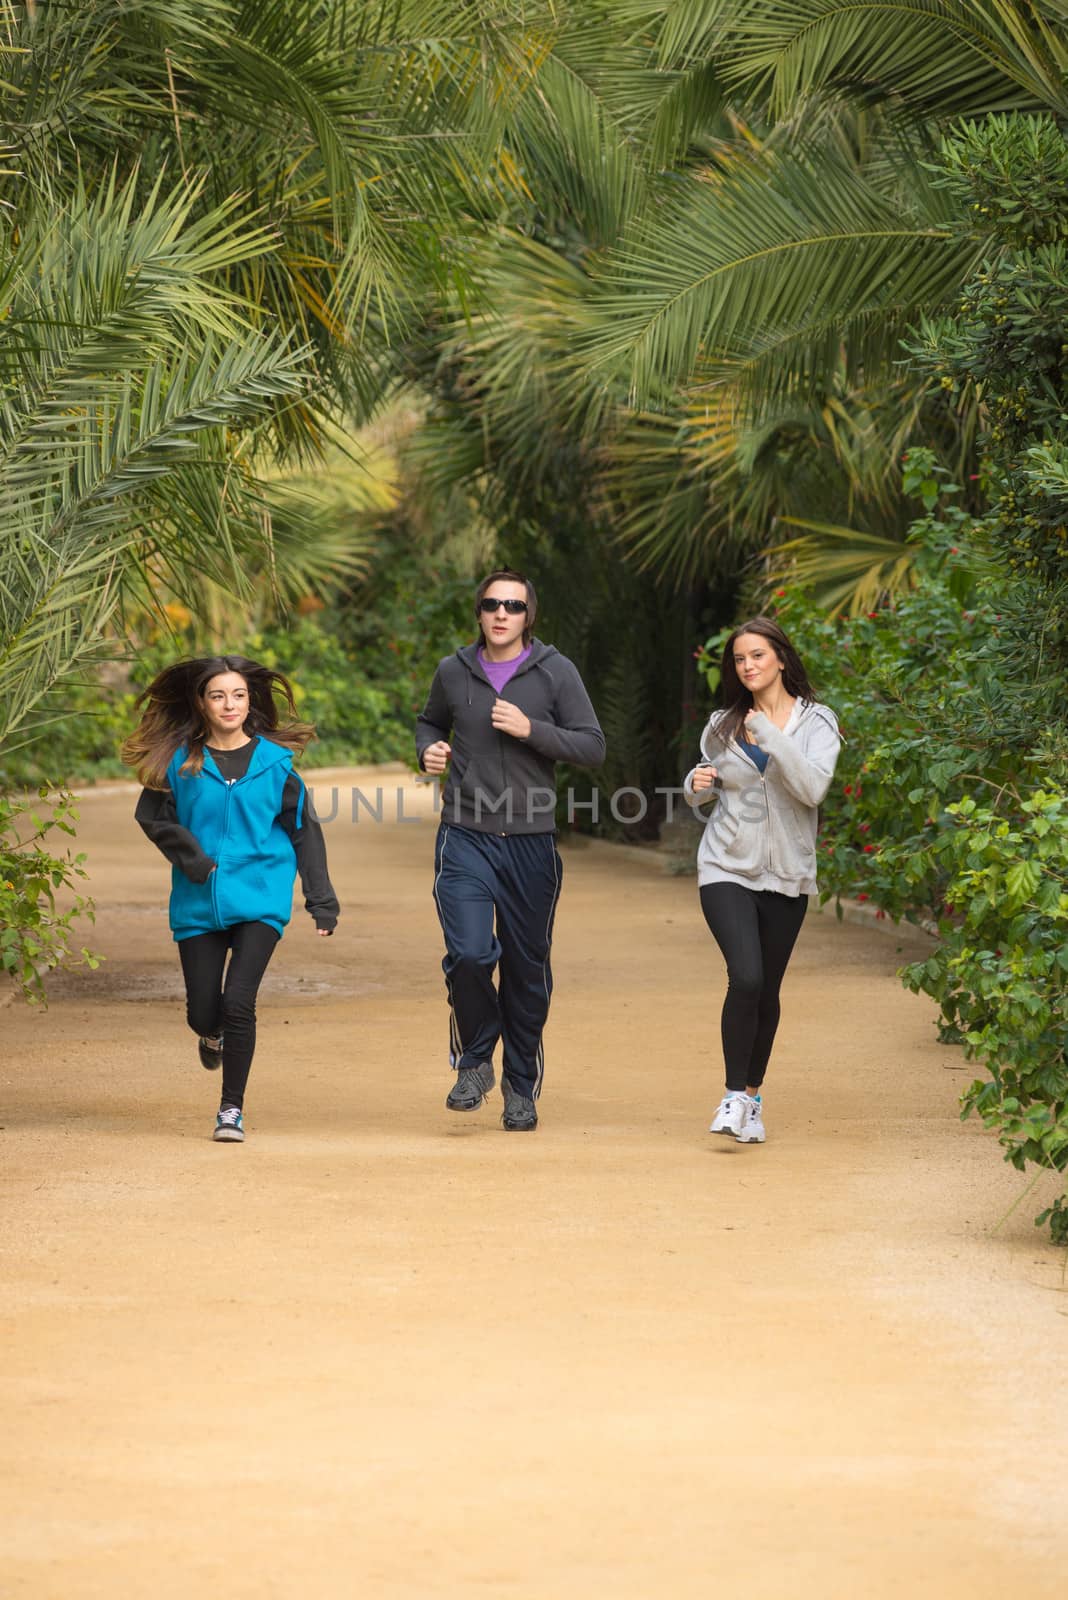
x=237, y=824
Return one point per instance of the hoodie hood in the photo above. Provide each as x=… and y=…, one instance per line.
x=804, y=710
x=468, y=654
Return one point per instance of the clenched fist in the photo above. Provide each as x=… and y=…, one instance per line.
x=703, y=778
x=507, y=718
x=436, y=757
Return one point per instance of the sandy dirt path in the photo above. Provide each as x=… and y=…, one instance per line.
x=389, y=1351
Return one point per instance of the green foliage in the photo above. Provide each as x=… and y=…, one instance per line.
x=215, y=217
x=35, y=928
x=1009, y=175
x=1000, y=971
x=362, y=667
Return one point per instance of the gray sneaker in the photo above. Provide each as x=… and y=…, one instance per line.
x=472, y=1086
x=520, y=1114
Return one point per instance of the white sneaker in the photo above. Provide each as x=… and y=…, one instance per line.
x=731, y=1114
x=752, y=1130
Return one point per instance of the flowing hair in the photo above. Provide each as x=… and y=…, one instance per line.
x=737, y=699
x=172, y=715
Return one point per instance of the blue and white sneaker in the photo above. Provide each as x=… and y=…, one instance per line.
x=229, y=1128
x=753, y=1131
x=731, y=1114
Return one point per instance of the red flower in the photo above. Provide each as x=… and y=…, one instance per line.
x=954, y=550
x=780, y=594
x=865, y=827
x=862, y=896
x=848, y=789
x=868, y=848
x=880, y=915
x=872, y=615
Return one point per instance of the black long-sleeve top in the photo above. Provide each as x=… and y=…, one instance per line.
x=157, y=814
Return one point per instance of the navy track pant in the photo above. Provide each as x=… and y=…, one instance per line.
x=496, y=896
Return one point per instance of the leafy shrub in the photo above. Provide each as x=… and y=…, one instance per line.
x=35, y=933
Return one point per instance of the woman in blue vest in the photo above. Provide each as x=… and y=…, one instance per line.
x=224, y=805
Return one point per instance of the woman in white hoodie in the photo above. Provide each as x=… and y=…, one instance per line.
x=767, y=759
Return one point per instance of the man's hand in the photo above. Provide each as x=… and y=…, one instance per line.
x=436, y=757
x=703, y=778
x=507, y=718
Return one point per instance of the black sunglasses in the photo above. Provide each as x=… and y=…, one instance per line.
x=514, y=608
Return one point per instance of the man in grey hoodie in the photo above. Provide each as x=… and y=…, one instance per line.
x=497, y=873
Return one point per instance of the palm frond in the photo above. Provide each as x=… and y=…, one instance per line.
x=846, y=569
x=801, y=242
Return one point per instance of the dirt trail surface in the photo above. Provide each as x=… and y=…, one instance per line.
x=389, y=1351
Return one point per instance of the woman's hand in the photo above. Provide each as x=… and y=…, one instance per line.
x=507, y=718
x=703, y=778
x=749, y=734
x=436, y=757
x=325, y=933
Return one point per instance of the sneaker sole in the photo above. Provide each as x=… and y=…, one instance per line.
x=519, y=1127
x=228, y=1136
x=724, y=1133
x=473, y=1105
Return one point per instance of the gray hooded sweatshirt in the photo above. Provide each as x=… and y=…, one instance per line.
x=498, y=783
x=762, y=828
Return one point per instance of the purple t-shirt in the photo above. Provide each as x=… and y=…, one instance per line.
x=500, y=672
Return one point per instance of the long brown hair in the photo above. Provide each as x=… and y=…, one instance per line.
x=173, y=715
x=512, y=577
x=737, y=699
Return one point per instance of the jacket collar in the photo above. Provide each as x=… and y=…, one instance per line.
x=539, y=652
x=265, y=755
x=803, y=709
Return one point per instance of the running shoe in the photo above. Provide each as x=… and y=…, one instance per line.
x=472, y=1086
x=229, y=1128
x=731, y=1114
x=211, y=1052
x=753, y=1131
x=520, y=1114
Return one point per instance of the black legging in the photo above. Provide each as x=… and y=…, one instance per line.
x=756, y=929
x=213, y=1008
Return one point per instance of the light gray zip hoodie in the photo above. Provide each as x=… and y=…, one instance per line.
x=762, y=827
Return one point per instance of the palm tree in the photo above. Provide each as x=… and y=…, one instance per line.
x=214, y=218
x=790, y=260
